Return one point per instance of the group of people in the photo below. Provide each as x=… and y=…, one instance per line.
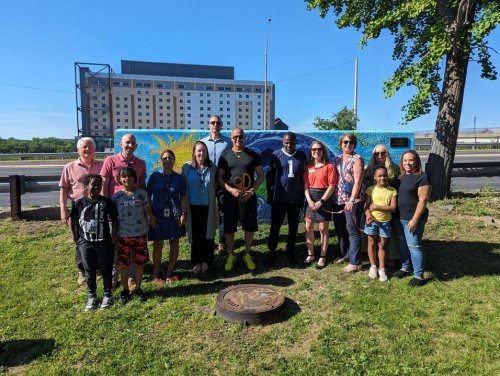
x=114, y=213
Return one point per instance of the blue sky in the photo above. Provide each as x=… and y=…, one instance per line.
x=310, y=61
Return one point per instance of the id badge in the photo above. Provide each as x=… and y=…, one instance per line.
x=166, y=213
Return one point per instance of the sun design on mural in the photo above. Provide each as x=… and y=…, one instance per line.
x=182, y=148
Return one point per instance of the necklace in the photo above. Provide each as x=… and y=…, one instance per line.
x=238, y=153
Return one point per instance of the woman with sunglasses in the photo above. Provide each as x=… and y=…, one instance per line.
x=381, y=157
x=320, y=179
x=349, y=201
x=199, y=176
x=167, y=194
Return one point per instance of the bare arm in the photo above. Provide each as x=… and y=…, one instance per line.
x=182, y=219
x=358, y=169
x=391, y=208
x=74, y=232
x=105, y=184
x=423, y=193
x=63, y=203
x=257, y=184
x=368, y=208
x=220, y=178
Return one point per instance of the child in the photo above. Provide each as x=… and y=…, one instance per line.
x=380, y=203
x=89, y=223
x=133, y=213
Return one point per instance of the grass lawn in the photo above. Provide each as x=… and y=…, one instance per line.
x=335, y=324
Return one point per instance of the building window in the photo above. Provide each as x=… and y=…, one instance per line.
x=139, y=99
x=139, y=106
x=161, y=107
x=160, y=100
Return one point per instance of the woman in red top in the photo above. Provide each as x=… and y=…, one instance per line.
x=320, y=179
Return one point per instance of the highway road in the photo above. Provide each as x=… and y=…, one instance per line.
x=54, y=168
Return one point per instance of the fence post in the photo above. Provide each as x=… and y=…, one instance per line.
x=15, y=197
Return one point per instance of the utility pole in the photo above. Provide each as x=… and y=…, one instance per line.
x=355, y=108
x=475, y=119
x=265, y=74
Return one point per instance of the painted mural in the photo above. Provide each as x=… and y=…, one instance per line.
x=152, y=142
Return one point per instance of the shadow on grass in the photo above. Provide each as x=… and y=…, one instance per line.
x=23, y=351
x=36, y=214
x=449, y=260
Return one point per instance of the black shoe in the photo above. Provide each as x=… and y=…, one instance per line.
x=270, y=259
x=141, y=295
x=306, y=264
x=292, y=260
x=401, y=273
x=125, y=296
x=417, y=282
x=319, y=267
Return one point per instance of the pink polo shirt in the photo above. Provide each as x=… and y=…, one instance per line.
x=72, y=177
x=114, y=163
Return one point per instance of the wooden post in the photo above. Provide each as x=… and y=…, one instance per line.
x=15, y=197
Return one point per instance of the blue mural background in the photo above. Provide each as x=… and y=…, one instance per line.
x=152, y=142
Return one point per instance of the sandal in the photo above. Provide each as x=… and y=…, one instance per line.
x=319, y=267
x=158, y=281
x=306, y=263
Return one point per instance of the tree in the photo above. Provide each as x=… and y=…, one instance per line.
x=342, y=120
x=425, y=33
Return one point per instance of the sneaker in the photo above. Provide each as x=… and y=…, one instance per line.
x=141, y=295
x=107, y=301
x=401, y=273
x=230, y=262
x=417, y=282
x=172, y=278
x=270, y=259
x=292, y=260
x=382, y=275
x=204, y=267
x=197, y=268
x=352, y=268
x=339, y=260
x=373, y=272
x=81, y=278
x=248, y=260
x=124, y=296
x=92, y=303
x=131, y=284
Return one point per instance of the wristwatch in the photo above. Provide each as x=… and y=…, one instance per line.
x=322, y=201
x=352, y=200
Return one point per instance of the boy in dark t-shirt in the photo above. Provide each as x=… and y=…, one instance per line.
x=89, y=223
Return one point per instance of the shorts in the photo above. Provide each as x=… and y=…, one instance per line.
x=232, y=208
x=132, y=249
x=378, y=228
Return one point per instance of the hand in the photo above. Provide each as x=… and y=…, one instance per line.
x=235, y=192
x=369, y=219
x=311, y=204
x=412, y=225
x=349, y=206
x=182, y=219
x=153, y=222
x=373, y=207
x=317, y=205
x=246, y=196
x=64, y=217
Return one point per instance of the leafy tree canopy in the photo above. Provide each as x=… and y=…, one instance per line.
x=342, y=120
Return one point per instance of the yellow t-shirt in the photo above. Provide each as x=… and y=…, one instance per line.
x=381, y=196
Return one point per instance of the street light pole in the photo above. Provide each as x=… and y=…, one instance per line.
x=265, y=74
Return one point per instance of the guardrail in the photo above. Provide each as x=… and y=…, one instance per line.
x=37, y=156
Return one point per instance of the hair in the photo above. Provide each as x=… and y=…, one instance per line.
x=216, y=116
x=379, y=167
x=88, y=178
x=290, y=134
x=324, y=158
x=373, y=164
x=208, y=162
x=418, y=163
x=241, y=129
x=167, y=151
x=351, y=137
x=126, y=172
x=85, y=139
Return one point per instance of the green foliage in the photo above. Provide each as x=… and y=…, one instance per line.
x=342, y=120
x=36, y=145
x=425, y=33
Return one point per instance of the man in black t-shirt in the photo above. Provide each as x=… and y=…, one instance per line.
x=237, y=169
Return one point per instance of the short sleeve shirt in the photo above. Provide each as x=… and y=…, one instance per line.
x=287, y=172
x=320, y=177
x=112, y=166
x=132, y=220
x=408, y=195
x=73, y=174
x=92, y=218
x=235, y=165
x=381, y=196
x=216, y=147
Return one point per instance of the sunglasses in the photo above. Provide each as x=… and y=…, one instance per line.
x=380, y=152
x=215, y=123
x=164, y=159
x=238, y=137
x=345, y=142
x=316, y=150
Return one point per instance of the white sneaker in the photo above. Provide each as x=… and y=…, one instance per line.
x=382, y=275
x=373, y=272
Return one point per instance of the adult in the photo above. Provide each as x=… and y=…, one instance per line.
x=236, y=174
x=71, y=187
x=167, y=193
x=199, y=176
x=413, y=193
x=349, y=200
x=320, y=179
x=125, y=158
x=216, y=145
x=381, y=157
x=285, y=193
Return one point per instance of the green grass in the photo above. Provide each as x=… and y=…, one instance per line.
x=335, y=324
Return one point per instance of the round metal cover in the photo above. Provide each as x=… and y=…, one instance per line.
x=250, y=304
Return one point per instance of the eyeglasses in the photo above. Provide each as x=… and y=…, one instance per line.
x=215, y=123
x=317, y=150
x=238, y=137
x=164, y=159
x=345, y=142
x=381, y=152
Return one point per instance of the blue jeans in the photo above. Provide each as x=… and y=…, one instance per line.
x=410, y=247
x=347, y=228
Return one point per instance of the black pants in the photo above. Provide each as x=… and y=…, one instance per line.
x=78, y=260
x=202, y=249
x=220, y=204
x=99, y=255
x=278, y=212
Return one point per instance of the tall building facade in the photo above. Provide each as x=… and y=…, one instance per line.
x=148, y=95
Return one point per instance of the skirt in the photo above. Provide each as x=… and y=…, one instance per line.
x=322, y=214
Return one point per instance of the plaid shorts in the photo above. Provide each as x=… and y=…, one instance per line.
x=132, y=249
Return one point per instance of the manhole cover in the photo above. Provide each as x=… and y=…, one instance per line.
x=250, y=304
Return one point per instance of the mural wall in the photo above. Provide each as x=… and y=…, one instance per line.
x=152, y=142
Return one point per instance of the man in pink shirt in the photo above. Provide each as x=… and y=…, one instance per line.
x=114, y=163
x=71, y=185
